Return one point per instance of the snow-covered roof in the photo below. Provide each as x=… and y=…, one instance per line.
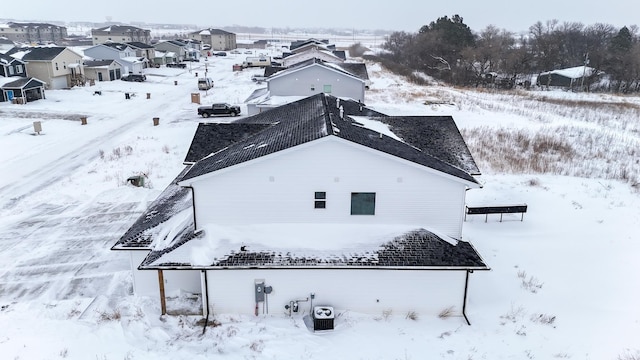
x=572, y=73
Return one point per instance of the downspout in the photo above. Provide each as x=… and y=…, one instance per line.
x=464, y=301
x=206, y=292
x=163, y=301
x=193, y=205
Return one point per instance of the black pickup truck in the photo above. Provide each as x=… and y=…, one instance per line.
x=219, y=109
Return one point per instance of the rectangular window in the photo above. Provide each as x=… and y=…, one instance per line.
x=57, y=66
x=10, y=70
x=320, y=200
x=19, y=69
x=327, y=89
x=363, y=203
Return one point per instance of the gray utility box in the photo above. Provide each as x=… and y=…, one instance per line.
x=323, y=317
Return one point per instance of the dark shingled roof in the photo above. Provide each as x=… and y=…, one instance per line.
x=92, y=63
x=170, y=202
x=38, y=53
x=139, y=45
x=313, y=118
x=24, y=83
x=211, y=137
x=416, y=249
x=438, y=136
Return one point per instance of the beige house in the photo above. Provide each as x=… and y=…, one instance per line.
x=59, y=67
x=120, y=34
x=219, y=40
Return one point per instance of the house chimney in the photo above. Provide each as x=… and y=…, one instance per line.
x=341, y=113
x=337, y=103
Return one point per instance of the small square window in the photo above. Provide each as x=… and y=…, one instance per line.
x=363, y=203
x=320, y=200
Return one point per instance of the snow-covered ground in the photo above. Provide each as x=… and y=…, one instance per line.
x=564, y=282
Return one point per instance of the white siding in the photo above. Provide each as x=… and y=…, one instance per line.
x=145, y=282
x=280, y=189
x=364, y=291
x=311, y=80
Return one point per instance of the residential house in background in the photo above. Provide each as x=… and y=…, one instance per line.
x=311, y=53
x=33, y=33
x=360, y=220
x=10, y=66
x=178, y=48
x=122, y=53
x=102, y=70
x=313, y=76
x=120, y=34
x=59, y=67
x=144, y=50
x=218, y=40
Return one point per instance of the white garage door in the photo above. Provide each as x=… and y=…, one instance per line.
x=59, y=82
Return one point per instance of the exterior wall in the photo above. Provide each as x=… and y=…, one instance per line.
x=101, y=37
x=92, y=73
x=365, y=291
x=40, y=34
x=311, y=80
x=279, y=188
x=107, y=53
x=56, y=73
x=145, y=282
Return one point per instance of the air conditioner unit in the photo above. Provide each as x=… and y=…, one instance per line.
x=323, y=317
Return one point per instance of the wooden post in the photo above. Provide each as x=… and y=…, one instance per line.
x=83, y=120
x=163, y=301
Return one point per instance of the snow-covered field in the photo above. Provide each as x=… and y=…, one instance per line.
x=564, y=282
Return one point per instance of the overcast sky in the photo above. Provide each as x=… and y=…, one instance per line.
x=407, y=15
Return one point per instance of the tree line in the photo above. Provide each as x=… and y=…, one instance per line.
x=447, y=49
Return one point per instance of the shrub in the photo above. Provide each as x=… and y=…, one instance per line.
x=446, y=312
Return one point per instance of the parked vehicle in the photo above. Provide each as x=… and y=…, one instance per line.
x=177, y=65
x=220, y=53
x=219, y=109
x=134, y=77
x=205, y=83
x=260, y=61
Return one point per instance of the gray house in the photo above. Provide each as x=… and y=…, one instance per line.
x=178, y=48
x=122, y=53
x=143, y=50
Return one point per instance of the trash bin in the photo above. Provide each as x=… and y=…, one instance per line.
x=156, y=121
x=127, y=96
x=83, y=120
x=175, y=82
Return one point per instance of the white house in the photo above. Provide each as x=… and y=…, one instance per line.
x=346, y=80
x=124, y=54
x=312, y=53
x=308, y=202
